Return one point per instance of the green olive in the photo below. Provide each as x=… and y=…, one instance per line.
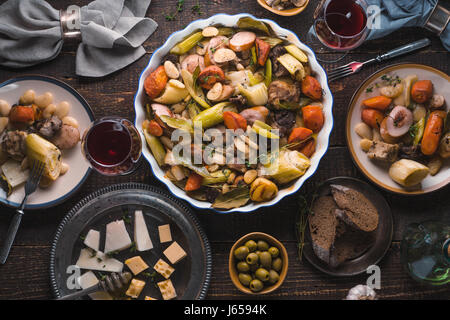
x=241, y=252
x=274, y=252
x=243, y=266
x=265, y=259
x=273, y=277
x=262, y=274
x=277, y=264
x=254, y=267
x=245, y=279
x=251, y=245
x=263, y=245
x=256, y=285
x=252, y=258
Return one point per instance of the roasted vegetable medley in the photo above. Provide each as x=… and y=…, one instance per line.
x=244, y=80
x=36, y=128
x=405, y=124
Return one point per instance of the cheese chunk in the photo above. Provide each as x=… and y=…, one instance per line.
x=98, y=261
x=174, y=253
x=88, y=280
x=149, y=298
x=141, y=236
x=164, y=233
x=117, y=237
x=136, y=265
x=163, y=268
x=92, y=240
x=167, y=290
x=135, y=288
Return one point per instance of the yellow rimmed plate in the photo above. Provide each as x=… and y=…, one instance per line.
x=376, y=172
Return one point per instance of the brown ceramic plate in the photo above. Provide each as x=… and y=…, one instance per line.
x=383, y=234
x=286, y=13
x=378, y=173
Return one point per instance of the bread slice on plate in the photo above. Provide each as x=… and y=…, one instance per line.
x=322, y=227
x=350, y=245
x=354, y=208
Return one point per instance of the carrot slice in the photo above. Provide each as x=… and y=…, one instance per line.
x=194, y=182
x=234, y=120
x=380, y=103
x=372, y=118
x=313, y=118
x=312, y=88
x=299, y=134
x=154, y=128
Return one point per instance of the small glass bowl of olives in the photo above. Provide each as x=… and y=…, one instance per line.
x=258, y=263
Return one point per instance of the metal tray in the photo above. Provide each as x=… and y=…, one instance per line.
x=192, y=275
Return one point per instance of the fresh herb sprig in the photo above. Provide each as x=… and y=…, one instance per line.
x=304, y=213
x=179, y=8
x=197, y=8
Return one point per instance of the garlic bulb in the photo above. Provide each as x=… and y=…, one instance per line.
x=361, y=292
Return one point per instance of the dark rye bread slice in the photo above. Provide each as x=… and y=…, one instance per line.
x=355, y=209
x=350, y=245
x=322, y=227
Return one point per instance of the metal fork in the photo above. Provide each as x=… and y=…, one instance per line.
x=30, y=186
x=354, y=67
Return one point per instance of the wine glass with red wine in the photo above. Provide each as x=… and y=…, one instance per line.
x=340, y=25
x=112, y=146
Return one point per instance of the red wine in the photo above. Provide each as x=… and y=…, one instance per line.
x=342, y=24
x=345, y=17
x=109, y=143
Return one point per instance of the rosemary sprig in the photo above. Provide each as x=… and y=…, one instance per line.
x=197, y=8
x=304, y=213
x=179, y=8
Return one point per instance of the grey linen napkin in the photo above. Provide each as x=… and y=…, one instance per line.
x=112, y=33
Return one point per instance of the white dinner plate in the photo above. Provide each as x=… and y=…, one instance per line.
x=79, y=169
x=378, y=173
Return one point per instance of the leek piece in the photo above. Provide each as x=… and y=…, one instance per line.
x=407, y=172
x=419, y=128
x=185, y=162
x=212, y=116
x=254, y=60
x=187, y=44
x=44, y=151
x=297, y=53
x=287, y=166
x=256, y=95
x=175, y=123
x=196, y=93
x=172, y=95
x=193, y=109
x=13, y=173
x=156, y=147
x=292, y=65
x=272, y=41
x=225, y=31
x=268, y=73
x=216, y=177
x=264, y=129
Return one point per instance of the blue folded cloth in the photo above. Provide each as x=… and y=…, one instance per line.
x=396, y=14
x=112, y=34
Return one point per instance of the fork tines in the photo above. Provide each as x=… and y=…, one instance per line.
x=340, y=72
x=37, y=169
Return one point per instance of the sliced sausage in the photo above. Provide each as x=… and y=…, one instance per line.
x=215, y=44
x=224, y=55
x=191, y=62
x=209, y=76
x=243, y=40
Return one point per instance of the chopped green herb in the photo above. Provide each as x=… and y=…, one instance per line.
x=133, y=247
x=99, y=260
x=179, y=8
x=82, y=238
x=370, y=89
x=126, y=219
x=197, y=8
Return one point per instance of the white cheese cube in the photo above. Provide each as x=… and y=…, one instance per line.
x=88, y=280
x=167, y=290
x=117, y=237
x=164, y=233
x=98, y=261
x=92, y=240
x=136, y=265
x=141, y=236
x=174, y=253
x=135, y=288
x=163, y=268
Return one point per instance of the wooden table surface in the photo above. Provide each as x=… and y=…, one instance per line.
x=26, y=275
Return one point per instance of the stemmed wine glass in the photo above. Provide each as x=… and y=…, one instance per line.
x=340, y=25
x=112, y=146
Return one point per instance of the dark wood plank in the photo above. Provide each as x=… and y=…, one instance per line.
x=25, y=276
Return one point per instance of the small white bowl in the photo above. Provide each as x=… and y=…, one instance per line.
x=231, y=21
